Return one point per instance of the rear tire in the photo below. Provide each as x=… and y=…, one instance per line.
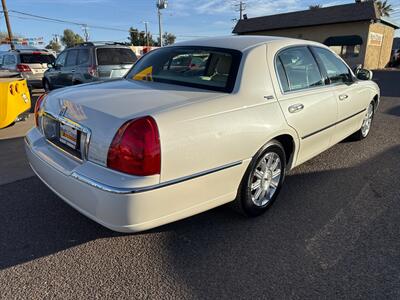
x=262, y=181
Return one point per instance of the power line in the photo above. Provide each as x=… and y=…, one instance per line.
x=82, y=24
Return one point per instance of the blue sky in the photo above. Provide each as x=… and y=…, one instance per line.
x=186, y=19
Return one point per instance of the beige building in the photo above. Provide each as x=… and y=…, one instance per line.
x=355, y=31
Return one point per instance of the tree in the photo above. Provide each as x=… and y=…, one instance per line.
x=315, y=6
x=384, y=8
x=71, y=39
x=53, y=45
x=138, y=38
x=168, y=38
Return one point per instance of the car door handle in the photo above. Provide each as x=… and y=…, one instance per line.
x=343, y=97
x=72, y=71
x=296, y=108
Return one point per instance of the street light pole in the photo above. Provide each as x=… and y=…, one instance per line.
x=10, y=35
x=160, y=27
x=161, y=4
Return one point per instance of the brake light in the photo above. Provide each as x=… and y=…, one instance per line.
x=38, y=104
x=135, y=148
x=92, y=70
x=23, y=68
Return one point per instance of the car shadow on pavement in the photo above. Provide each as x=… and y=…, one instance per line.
x=36, y=223
x=328, y=228
x=394, y=111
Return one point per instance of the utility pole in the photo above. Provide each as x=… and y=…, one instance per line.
x=56, y=38
x=85, y=32
x=147, y=34
x=161, y=4
x=241, y=9
x=10, y=35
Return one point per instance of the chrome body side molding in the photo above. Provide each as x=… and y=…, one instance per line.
x=118, y=190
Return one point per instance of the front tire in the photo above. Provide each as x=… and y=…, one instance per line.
x=263, y=180
x=367, y=123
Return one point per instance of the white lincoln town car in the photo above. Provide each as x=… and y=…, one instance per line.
x=196, y=125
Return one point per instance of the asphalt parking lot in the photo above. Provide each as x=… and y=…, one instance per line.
x=333, y=233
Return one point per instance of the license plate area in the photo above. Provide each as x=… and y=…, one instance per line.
x=63, y=136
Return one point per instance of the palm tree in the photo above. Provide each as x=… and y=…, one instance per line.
x=316, y=6
x=384, y=8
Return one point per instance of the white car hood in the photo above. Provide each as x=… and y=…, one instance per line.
x=105, y=106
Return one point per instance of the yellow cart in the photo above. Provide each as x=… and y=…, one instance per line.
x=15, y=101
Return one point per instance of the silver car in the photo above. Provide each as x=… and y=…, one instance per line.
x=29, y=63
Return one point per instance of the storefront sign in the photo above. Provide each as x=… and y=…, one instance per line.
x=375, y=39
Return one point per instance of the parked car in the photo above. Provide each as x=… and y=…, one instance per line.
x=29, y=63
x=163, y=143
x=89, y=62
x=395, y=58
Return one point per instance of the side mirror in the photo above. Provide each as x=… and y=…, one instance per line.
x=364, y=74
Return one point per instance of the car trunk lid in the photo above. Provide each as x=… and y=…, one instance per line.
x=103, y=108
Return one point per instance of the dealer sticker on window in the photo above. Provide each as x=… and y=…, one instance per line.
x=68, y=135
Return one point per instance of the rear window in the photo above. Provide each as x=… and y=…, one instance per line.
x=200, y=67
x=37, y=58
x=115, y=56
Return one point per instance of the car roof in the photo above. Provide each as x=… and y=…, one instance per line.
x=26, y=51
x=100, y=45
x=243, y=42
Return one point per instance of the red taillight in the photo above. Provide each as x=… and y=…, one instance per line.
x=23, y=68
x=135, y=148
x=92, y=70
x=38, y=104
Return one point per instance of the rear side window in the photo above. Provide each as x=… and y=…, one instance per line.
x=71, y=58
x=115, y=56
x=37, y=58
x=336, y=70
x=300, y=69
x=83, y=57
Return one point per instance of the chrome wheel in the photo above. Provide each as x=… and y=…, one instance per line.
x=265, y=179
x=366, y=125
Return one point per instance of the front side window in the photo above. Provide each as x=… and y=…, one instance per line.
x=200, y=67
x=336, y=70
x=297, y=69
x=60, y=61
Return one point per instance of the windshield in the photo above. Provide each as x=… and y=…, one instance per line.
x=115, y=56
x=200, y=67
x=37, y=58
